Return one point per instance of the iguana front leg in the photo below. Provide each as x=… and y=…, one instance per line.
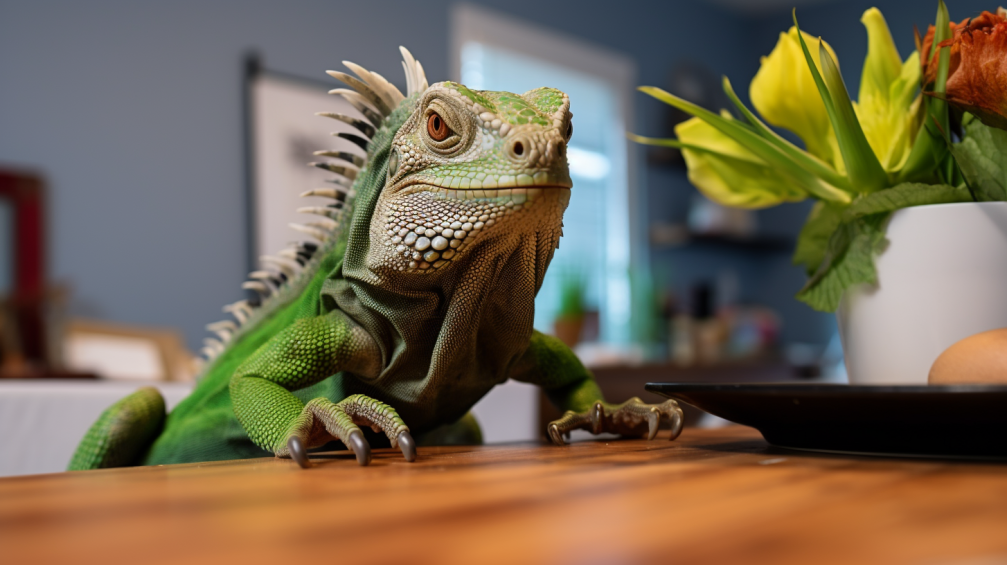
x=631, y=418
x=307, y=351
x=570, y=386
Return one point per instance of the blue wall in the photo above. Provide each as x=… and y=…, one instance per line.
x=132, y=111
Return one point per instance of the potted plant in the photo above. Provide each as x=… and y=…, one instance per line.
x=906, y=241
x=569, y=322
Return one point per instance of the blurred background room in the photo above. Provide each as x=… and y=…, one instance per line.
x=150, y=152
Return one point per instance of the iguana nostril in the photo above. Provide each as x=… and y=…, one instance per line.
x=519, y=148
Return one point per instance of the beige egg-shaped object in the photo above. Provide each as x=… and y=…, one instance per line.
x=977, y=359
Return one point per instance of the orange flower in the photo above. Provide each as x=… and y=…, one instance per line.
x=977, y=76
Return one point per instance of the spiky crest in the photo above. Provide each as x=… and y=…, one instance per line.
x=285, y=273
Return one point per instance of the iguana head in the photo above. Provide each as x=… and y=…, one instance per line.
x=472, y=168
x=453, y=215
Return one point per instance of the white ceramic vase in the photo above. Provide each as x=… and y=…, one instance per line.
x=943, y=277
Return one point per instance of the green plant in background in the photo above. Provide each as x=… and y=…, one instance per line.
x=572, y=290
x=862, y=160
x=568, y=325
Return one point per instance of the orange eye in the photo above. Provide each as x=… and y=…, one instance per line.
x=438, y=130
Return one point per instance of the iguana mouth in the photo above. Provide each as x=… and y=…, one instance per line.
x=529, y=192
x=502, y=183
x=454, y=191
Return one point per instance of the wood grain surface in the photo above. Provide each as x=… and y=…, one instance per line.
x=712, y=496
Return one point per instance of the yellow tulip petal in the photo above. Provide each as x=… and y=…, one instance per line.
x=888, y=105
x=891, y=118
x=883, y=64
x=728, y=173
x=785, y=94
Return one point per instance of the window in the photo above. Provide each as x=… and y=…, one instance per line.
x=497, y=53
x=600, y=244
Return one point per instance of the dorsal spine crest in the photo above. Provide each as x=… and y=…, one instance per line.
x=284, y=275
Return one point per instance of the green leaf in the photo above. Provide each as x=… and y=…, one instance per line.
x=813, y=240
x=805, y=160
x=663, y=142
x=929, y=149
x=942, y=32
x=848, y=261
x=982, y=156
x=857, y=235
x=930, y=153
x=904, y=196
x=752, y=141
x=729, y=177
x=862, y=166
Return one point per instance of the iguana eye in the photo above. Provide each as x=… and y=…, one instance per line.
x=437, y=128
x=446, y=127
x=569, y=130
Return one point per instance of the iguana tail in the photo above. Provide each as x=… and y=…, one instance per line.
x=122, y=433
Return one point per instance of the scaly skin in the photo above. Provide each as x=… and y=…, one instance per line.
x=419, y=299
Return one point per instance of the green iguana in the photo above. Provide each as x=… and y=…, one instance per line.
x=417, y=301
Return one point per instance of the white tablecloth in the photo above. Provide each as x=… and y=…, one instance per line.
x=42, y=421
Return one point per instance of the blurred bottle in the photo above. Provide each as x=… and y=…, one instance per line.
x=683, y=342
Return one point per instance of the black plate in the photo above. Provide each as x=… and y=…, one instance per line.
x=956, y=421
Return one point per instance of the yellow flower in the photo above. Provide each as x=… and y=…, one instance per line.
x=850, y=148
x=785, y=95
x=888, y=105
x=728, y=173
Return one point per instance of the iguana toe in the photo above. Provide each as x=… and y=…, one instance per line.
x=590, y=420
x=631, y=418
x=555, y=435
x=653, y=420
x=322, y=420
x=366, y=411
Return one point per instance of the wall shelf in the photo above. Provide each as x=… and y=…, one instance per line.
x=761, y=244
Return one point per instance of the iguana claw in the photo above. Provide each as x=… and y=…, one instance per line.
x=297, y=452
x=322, y=420
x=360, y=447
x=628, y=418
x=407, y=445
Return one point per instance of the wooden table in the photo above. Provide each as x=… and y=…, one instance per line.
x=713, y=496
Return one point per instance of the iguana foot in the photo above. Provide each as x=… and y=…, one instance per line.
x=631, y=418
x=322, y=420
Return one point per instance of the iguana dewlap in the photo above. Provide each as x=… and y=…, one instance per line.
x=417, y=299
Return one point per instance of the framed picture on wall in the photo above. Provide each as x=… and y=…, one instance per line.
x=283, y=134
